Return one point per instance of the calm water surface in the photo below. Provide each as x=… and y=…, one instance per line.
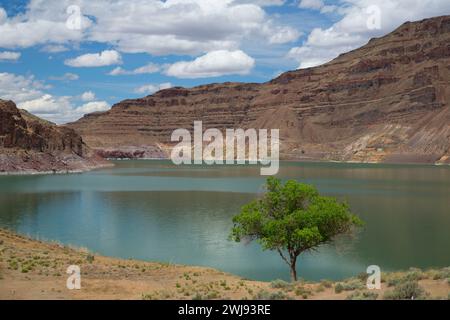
x=153, y=210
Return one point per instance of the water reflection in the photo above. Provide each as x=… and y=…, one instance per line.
x=155, y=211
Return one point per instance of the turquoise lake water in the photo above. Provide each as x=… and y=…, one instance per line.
x=153, y=210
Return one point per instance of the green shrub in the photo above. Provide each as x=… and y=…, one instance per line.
x=280, y=284
x=392, y=281
x=212, y=295
x=148, y=297
x=413, y=274
x=302, y=291
x=197, y=296
x=14, y=265
x=320, y=288
x=90, y=258
x=327, y=283
x=441, y=274
x=265, y=295
x=338, y=288
x=362, y=295
x=279, y=295
x=409, y=290
x=352, y=284
x=363, y=276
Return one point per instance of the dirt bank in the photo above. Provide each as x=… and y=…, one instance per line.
x=31, y=269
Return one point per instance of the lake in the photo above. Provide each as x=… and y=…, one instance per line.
x=156, y=211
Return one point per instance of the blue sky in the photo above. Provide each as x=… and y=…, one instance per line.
x=62, y=58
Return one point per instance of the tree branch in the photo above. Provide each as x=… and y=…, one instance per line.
x=283, y=257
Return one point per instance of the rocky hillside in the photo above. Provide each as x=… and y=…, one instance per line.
x=30, y=144
x=385, y=102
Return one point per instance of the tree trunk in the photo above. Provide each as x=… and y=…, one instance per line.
x=293, y=269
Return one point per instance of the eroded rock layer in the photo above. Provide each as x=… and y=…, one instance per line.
x=29, y=144
x=385, y=102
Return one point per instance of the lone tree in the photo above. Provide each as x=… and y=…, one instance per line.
x=291, y=219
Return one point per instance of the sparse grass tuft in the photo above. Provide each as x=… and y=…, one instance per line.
x=197, y=296
x=148, y=296
x=303, y=292
x=213, y=295
x=362, y=295
x=265, y=295
x=280, y=284
x=327, y=283
x=320, y=288
x=90, y=258
x=350, y=285
x=441, y=274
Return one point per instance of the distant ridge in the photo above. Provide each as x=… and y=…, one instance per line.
x=29, y=144
x=387, y=101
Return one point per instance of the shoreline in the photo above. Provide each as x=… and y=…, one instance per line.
x=35, y=269
x=111, y=165
x=56, y=172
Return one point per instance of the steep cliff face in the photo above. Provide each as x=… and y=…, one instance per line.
x=30, y=144
x=385, y=102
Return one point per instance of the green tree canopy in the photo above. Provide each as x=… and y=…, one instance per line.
x=291, y=219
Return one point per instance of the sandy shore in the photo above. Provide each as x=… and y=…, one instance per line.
x=31, y=269
x=31, y=172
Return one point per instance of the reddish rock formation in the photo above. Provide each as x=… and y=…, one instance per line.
x=30, y=144
x=385, y=102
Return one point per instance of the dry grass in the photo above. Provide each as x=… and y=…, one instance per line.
x=31, y=269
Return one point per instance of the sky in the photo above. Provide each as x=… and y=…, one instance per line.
x=61, y=59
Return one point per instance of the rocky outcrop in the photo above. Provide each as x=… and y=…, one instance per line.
x=30, y=144
x=385, y=102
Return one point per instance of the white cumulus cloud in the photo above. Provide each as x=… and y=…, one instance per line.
x=213, y=64
x=31, y=95
x=46, y=105
x=66, y=77
x=94, y=106
x=19, y=88
x=354, y=28
x=147, y=69
x=102, y=59
x=43, y=22
x=9, y=56
x=88, y=96
x=311, y=4
x=180, y=27
x=54, y=48
x=152, y=88
x=263, y=3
